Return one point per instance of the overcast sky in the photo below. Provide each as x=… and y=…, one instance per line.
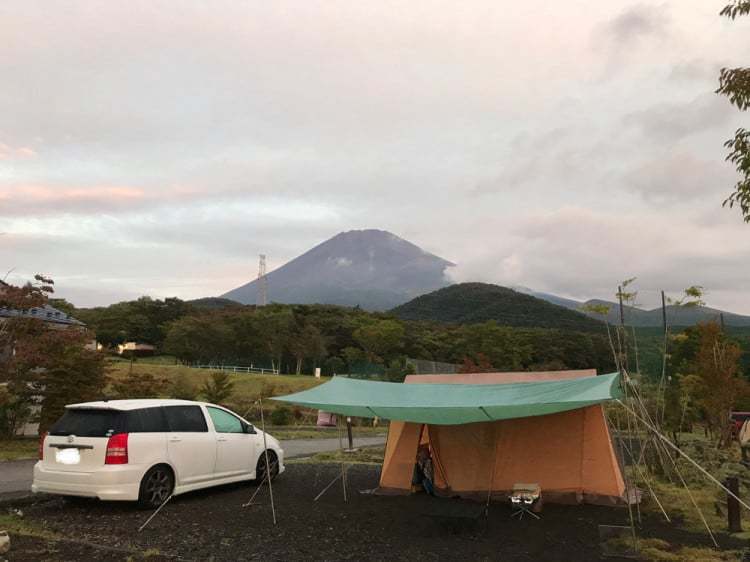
x=158, y=147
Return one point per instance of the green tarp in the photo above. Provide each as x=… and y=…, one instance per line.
x=454, y=404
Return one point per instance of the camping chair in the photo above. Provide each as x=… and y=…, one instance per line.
x=525, y=498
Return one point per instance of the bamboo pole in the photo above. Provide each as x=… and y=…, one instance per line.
x=268, y=464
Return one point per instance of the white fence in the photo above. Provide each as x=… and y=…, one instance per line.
x=238, y=369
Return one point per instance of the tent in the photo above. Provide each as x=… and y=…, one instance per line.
x=489, y=431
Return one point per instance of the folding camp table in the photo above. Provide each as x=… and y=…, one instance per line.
x=524, y=498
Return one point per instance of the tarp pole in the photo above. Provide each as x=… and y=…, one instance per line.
x=341, y=452
x=268, y=464
x=492, y=476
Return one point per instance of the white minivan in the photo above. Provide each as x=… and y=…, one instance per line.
x=147, y=450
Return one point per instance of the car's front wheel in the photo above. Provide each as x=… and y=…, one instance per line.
x=260, y=468
x=156, y=486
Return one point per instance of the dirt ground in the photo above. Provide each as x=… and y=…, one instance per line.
x=213, y=525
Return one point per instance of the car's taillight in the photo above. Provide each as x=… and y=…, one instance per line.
x=41, y=445
x=117, y=449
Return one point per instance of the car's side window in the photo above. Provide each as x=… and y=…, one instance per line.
x=224, y=422
x=186, y=419
x=147, y=420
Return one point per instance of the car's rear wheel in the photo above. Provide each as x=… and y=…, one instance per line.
x=156, y=486
x=260, y=468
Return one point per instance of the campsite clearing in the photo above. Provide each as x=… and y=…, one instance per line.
x=213, y=523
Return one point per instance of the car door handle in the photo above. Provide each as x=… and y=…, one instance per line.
x=221, y=439
x=174, y=439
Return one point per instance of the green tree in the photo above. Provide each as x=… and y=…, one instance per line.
x=308, y=343
x=381, y=339
x=334, y=366
x=278, y=324
x=139, y=385
x=398, y=369
x=47, y=367
x=218, y=388
x=198, y=339
x=734, y=83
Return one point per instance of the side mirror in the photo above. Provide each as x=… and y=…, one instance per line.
x=250, y=429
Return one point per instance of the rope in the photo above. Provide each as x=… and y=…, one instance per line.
x=641, y=473
x=158, y=509
x=687, y=457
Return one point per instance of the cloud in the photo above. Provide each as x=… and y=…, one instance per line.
x=39, y=200
x=636, y=24
x=677, y=176
x=10, y=153
x=695, y=70
x=673, y=121
x=582, y=253
x=173, y=147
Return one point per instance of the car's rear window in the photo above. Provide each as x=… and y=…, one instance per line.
x=89, y=423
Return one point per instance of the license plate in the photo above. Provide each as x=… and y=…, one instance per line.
x=68, y=456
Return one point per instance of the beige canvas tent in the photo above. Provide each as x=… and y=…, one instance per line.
x=569, y=453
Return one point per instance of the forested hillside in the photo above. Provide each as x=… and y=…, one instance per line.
x=469, y=303
x=300, y=337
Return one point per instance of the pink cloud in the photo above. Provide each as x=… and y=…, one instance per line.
x=35, y=199
x=8, y=152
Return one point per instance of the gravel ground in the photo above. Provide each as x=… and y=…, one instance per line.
x=213, y=525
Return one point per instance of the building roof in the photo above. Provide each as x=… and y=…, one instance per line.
x=455, y=404
x=45, y=313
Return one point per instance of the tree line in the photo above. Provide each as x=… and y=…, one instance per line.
x=299, y=338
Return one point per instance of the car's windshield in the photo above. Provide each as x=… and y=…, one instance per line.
x=89, y=423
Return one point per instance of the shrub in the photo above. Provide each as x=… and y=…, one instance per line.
x=139, y=385
x=281, y=416
x=218, y=388
x=182, y=388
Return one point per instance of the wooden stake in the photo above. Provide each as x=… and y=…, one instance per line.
x=733, y=506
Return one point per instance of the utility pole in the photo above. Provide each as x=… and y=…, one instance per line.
x=262, y=298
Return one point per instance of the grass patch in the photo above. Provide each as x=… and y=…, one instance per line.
x=366, y=455
x=20, y=526
x=661, y=551
x=312, y=432
x=14, y=449
x=247, y=387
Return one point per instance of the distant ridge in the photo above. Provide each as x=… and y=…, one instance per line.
x=373, y=269
x=676, y=315
x=469, y=303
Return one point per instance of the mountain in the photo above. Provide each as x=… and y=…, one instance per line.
x=468, y=303
x=213, y=303
x=676, y=315
x=373, y=269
